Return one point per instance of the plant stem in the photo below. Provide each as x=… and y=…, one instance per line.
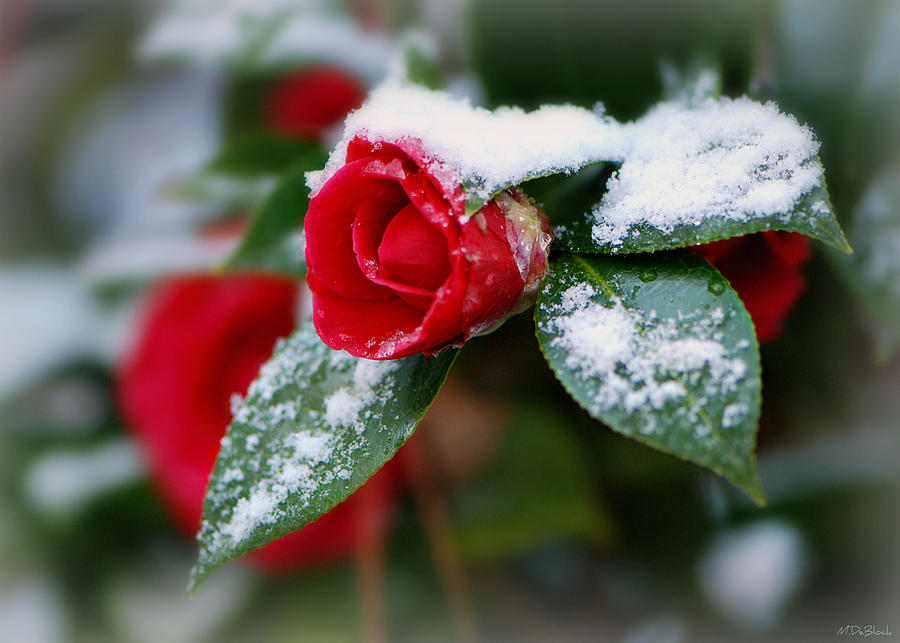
x=370, y=574
x=433, y=510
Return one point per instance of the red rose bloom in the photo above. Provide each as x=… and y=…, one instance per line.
x=203, y=340
x=396, y=268
x=308, y=103
x=764, y=269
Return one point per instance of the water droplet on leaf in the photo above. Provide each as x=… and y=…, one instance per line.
x=716, y=286
x=647, y=275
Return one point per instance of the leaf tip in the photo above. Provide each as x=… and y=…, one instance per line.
x=753, y=488
x=195, y=578
x=839, y=242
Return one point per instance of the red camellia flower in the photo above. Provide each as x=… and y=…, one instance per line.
x=395, y=266
x=308, y=103
x=203, y=340
x=764, y=269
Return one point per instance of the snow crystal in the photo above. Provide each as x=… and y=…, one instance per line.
x=235, y=402
x=736, y=159
x=344, y=406
x=640, y=360
x=733, y=414
x=232, y=475
x=314, y=448
x=489, y=150
x=251, y=511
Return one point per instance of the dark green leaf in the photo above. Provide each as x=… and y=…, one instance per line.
x=263, y=154
x=234, y=193
x=537, y=487
x=421, y=67
x=316, y=424
x=661, y=349
x=272, y=238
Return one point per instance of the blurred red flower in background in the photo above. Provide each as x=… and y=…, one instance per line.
x=765, y=270
x=308, y=103
x=203, y=339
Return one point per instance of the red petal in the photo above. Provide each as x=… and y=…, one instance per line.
x=413, y=252
x=411, y=148
x=329, y=228
x=365, y=328
x=494, y=279
x=368, y=230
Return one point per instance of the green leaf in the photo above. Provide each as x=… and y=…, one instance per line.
x=422, y=67
x=235, y=193
x=315, y=425
x=661, y=349
x=811, y=215
x=271, y=242
x=697, y=169
x=264, y=154
x=537, y=487
x=476, y=197
x=873, y=272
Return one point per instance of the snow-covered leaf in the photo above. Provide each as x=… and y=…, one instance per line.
x=692, y=171
x=315, y=425
x=713, y=170
x=660, y=348
x=874, y=270
x=264, y=34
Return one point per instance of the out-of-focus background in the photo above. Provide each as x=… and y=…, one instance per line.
x=540, y=524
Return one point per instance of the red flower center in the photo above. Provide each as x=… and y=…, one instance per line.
x=413, y=252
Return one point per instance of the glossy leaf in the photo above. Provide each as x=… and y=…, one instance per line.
x=264, y=154
x=661, y=349
x=812, y=215
x=315, y=425
x=272, y=238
